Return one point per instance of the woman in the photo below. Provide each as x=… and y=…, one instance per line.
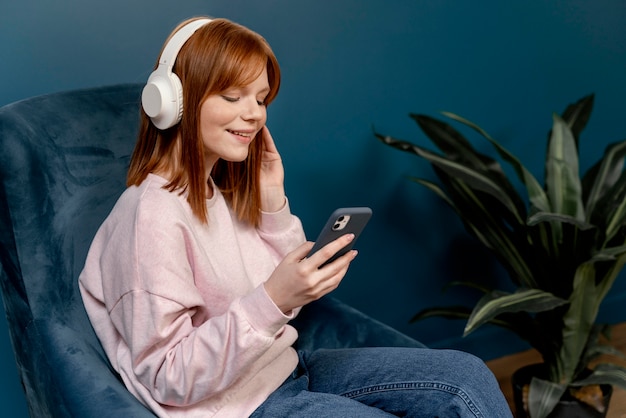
x=192, y=279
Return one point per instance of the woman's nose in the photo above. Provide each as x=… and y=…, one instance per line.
x=253, y=110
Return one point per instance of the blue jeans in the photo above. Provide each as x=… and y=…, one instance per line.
x=385, y=382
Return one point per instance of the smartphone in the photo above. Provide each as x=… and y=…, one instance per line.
x=342, y=221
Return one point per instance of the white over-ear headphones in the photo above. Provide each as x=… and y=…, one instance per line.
x=162, y=97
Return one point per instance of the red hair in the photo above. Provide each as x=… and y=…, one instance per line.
x=218, y=56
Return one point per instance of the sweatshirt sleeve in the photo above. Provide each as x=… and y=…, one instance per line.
x=282, y=232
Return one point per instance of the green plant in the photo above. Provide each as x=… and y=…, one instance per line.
x=562, y=244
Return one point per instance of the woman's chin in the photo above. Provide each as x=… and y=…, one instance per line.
x=236, y=158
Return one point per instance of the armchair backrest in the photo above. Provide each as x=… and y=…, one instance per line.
x=63, y=163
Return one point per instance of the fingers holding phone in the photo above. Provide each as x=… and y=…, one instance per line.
x=316, y=269
x=339, y=248
x=343, y=221
x=297, y=280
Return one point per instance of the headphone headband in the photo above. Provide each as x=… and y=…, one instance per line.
x=162, y=96
x=176, y=42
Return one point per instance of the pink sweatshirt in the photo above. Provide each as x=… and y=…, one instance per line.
x=180, y=307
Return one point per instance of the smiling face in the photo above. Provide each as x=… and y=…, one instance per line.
x=230, y=120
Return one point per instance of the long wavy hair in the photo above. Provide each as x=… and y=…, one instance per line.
x=218, y=56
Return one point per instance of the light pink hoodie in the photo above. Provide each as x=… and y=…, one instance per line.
x=180, y=308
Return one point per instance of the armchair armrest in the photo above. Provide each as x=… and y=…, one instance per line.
x=330, y=323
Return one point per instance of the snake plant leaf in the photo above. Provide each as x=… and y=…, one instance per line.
x=578, y=320
x=609, y=254
x=497, y=302
x=616, y=208
x=577, y=115
x=543, y=396
x=604, y=349
x=435, y=189
x=607, y=279
x=454, y=145
x=471, y=285
x=486, y=227
x=524, y=326
x=562, y=181
x=608, y=203
x=490, y=237
x=485, y=222
x=605, y=374
x=595, y=348
x=539, y=217
x=517, y=322
x=536, y=194
x=457, y=148
x=471, y=177
x=498, y=234
x=604, y=174
x=448, y=312
x=469, y=198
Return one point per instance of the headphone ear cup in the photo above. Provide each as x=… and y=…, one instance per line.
x=162, y=99
x=177, y=107
x=162, y=96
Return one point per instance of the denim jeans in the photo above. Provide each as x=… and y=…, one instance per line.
x=386, y=382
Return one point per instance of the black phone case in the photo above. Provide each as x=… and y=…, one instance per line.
x=357, y=219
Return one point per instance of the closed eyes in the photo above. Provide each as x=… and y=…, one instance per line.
x=232, y=99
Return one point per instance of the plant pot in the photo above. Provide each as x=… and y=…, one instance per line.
x=568, y=406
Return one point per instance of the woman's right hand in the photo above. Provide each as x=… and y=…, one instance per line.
x=297, y=280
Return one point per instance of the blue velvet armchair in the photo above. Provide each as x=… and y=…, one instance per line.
x=63, y=161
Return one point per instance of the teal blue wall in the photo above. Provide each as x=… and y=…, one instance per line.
x=349, y=65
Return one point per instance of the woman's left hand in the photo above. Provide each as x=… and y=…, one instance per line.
x=272, y=175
